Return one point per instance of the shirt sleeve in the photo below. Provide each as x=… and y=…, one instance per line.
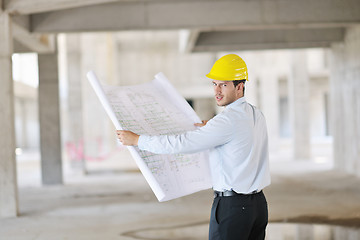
x=216, y=132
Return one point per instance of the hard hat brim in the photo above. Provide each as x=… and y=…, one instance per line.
x=211, y=76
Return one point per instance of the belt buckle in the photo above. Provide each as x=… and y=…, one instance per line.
x=222, y=194
x=218, y=194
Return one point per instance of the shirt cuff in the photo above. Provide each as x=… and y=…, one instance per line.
x=142, y=141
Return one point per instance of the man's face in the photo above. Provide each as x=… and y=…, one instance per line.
x=225, y=92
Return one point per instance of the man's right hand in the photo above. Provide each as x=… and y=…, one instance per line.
x=127, y=138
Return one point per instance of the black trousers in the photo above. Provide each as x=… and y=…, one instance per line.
x=239, y=217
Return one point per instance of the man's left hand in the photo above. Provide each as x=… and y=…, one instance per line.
x=203, y=123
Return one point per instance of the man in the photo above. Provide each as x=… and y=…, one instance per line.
x=237, y=140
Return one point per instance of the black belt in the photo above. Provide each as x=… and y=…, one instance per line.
x=232, y=193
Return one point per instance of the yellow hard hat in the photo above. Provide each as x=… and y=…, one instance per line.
x=229, y=68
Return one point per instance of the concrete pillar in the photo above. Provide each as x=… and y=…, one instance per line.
x=341, y=233
x=49, y=118
x=205, y=108
x=74, y=128
x=323, y=232
x=336, y=106
x=345, y=102
x=21, y=123
x=304, y=232
x=299, y=105
x=8, y=181
x=98, y=130
x=269, y=97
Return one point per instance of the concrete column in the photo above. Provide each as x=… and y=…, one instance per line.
x=340, y=233
x=269, y=97
x=8, y=182
x=21, y=124
x=304, y=231
x=299, y=105
x=336, y=106
x=74, y=130
x=345, y=102
x=205, y=108
x=49, y=117
x=98, y=129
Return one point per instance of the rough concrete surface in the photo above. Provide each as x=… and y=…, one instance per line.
x=118, y=204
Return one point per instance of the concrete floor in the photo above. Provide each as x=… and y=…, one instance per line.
x=116, y=203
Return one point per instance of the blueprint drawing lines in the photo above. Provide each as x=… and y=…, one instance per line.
x=156, y=108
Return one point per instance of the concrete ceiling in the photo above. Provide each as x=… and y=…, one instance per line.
x=212, y=25
x=25, y=7
x=266, y=39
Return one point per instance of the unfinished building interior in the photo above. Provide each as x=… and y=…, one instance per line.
x=63, y=174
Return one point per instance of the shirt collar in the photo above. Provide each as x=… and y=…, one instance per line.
x=236, y=103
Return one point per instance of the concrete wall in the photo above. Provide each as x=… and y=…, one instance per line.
x=134, y=57
x=319, y=107
x=97, y=54
x=345, y=101
x=27, y=123
x=142, y=54
x=128, y=58
x=25, y=74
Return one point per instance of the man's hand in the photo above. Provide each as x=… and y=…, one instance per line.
x=203, y=123
x=127, y=138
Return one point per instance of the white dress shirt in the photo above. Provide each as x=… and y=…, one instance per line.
x=238, y=143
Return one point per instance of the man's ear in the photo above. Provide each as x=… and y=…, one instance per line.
x=239, y=86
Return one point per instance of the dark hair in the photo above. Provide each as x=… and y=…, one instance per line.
x=237, y=82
